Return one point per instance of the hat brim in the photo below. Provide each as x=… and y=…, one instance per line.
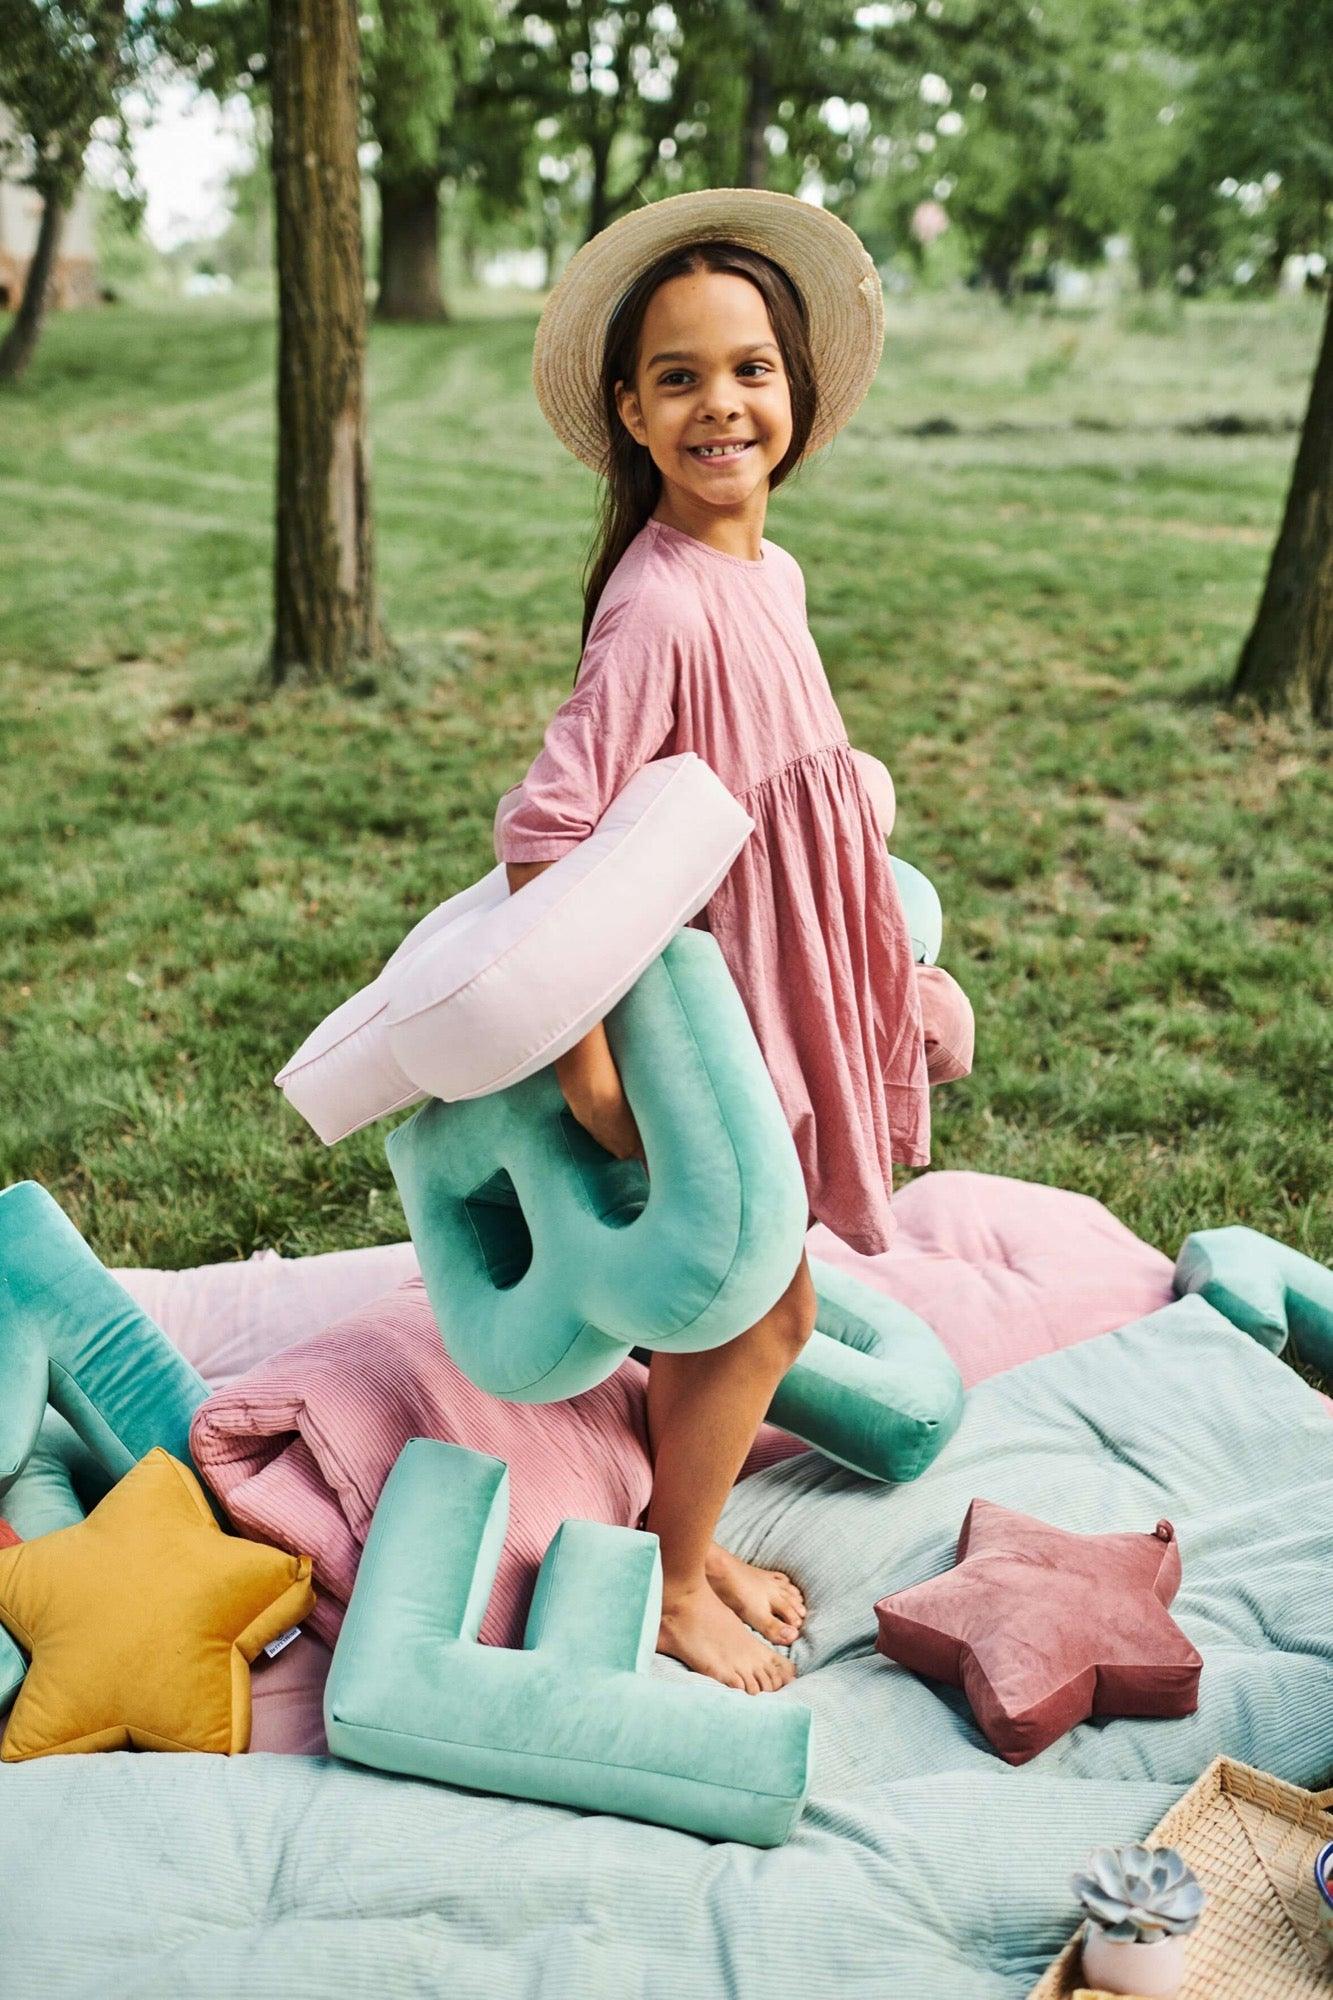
x=825, y=259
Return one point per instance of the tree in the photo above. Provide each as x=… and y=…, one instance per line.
x=803, y=89
x=325, y=610
x=1286, y=661
x=591, y=81
x=418, y=54
x=1033, y=126
x=60, y=70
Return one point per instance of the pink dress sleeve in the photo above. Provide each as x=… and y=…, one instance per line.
x=620, y=715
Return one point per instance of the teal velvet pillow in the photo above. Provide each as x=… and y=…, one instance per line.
x=873, y=1387
x=1264, y=1287
x=574, y=1718
x=546, y=1259
x=72, y=1336
x=60, y=1484
x=921, y=906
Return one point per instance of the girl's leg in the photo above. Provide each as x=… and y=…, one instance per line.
x=766, y=1599
x=715, y=1403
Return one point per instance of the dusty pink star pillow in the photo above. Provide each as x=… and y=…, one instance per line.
x=1042, y=1628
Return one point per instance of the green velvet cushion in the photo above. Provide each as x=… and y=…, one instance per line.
x=71, y=1335
x=873, y=1387
x=60, y=1484
x=546, y=1259
x=921, y=907
x=1264, y=1287
x=574, y=1717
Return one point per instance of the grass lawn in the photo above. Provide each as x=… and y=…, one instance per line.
x=1031, y=618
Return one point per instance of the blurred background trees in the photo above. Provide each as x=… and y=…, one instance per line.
x=1064, y=153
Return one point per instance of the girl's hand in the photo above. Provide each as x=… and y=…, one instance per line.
x=587, y=1073
x=596, y=1098
x=605, y=1113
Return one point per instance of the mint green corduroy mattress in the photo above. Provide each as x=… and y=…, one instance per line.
x=923, y=1867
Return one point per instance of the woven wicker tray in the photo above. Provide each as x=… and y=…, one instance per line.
x=1251, y=1839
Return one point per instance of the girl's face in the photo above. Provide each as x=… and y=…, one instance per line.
x=709, y=372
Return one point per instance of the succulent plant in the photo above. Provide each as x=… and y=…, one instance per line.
x=1139, y=1894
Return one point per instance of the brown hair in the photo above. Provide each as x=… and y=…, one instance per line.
x=633, y=483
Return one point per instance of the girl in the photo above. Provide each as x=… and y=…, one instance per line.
x=698, y=400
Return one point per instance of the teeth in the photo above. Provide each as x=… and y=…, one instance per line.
x=720, y=450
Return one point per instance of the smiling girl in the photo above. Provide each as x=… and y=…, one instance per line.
x=735, y=331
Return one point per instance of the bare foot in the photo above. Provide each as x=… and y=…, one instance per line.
x=698, y=1628
x=767, y=1599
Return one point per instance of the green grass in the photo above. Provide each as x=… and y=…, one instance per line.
x=1034, y=627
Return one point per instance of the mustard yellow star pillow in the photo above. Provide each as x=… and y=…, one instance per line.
x=141, y=1622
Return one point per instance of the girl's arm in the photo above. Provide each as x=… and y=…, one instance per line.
x=587, y=1073
x=620, y=715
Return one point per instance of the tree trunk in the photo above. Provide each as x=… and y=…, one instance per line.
x=324, y=594
x=550, y=238
x=759, y=99
x=409, y=287
x=599, y=202
x=1286, y=661
x=20, y=343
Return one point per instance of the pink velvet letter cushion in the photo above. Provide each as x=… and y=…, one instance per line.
x=491, y=987
x=879, y=789
x=1042, y=1628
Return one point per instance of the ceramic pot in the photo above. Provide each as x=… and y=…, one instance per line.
x=1151, y=1971
x=1323, y=1876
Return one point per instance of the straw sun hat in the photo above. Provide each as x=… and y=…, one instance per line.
x=826, y=260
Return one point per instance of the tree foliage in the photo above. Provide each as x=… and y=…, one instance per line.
x=62, y=68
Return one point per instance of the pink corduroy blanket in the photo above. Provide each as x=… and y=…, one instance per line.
x=298, y=1449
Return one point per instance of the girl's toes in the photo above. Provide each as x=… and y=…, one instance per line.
x=788, y=1592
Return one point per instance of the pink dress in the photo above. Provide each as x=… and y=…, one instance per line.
x=694, y=649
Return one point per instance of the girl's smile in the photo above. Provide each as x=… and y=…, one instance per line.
x=721, y=454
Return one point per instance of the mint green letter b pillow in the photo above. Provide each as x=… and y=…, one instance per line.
x=546, y=1259
x=574, y=1718
x=921, y=907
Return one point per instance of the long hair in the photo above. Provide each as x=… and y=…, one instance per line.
x=633, y=483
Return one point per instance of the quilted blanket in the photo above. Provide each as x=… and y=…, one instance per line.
x=922, y=1866
x=298, y=1449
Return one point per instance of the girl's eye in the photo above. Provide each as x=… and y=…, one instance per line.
x=667, y=379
